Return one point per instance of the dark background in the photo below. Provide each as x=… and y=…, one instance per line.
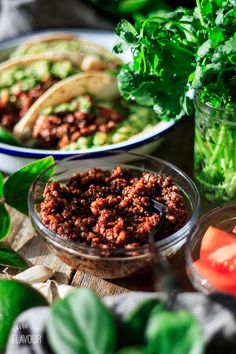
x=21, y=16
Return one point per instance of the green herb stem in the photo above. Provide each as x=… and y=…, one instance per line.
x=217, y=151
x=201, y=146
x=198, y=2
x=188, y=31
x=184, y=50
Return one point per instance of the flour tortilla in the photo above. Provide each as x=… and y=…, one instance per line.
x=75, y=58
x=87, y=47
x=98, y=84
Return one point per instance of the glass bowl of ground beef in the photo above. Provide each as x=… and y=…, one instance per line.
x=101, y=215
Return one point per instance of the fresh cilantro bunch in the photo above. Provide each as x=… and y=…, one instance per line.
x=184, y=50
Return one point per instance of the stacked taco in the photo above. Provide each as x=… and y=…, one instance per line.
x=96, y=57
x=23, y=81
x=39, y=64
x=81, y=112
x=60, y=92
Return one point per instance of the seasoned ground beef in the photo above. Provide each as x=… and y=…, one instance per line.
x=14, y=106
x=111, y=209
x=55, y=131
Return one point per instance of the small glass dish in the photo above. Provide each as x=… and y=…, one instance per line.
x=113, y=263
x=224, y=218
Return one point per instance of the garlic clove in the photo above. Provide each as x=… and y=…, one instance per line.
x=45, y=290
x=35, y=274
x=63, y=290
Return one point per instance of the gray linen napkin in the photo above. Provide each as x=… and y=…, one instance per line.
x=20, y=16
x=216, y=314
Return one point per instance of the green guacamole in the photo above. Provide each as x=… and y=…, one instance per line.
x=23, y=78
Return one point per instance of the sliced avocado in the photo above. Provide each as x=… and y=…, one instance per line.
x=62, y=69
x=100, y=138
x=7, y=78
x=61, y=108
x=39, y=69
x=85, y=104
x=47, y=111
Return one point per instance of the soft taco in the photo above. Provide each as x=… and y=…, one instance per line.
x=23, y=81
x=81, y=112
x=63, y=42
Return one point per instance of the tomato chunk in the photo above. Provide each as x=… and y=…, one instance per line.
x=215, y=238
x=223, y=259
x=219, y=280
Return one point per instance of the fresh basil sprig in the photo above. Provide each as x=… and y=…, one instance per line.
x=5, y=222
x=10, y=258
x=1, y=185
x=132, y=350
x=153, y=329
x=135, y=322
x=17, y=186
x=81, y=323
x=14, y=192
x=173, y=332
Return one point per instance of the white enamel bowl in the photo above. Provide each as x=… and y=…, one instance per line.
x=12, y=157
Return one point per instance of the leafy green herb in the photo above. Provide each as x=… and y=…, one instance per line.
x=129, y=6
x=174, y=333
x=80, y=323
x=10, y=258
x=17, y=186
x=7, y=138
x=5, y=222
x=180, y=53
x=135, y=322
x=1, y=185
x=15, y=193
x=133, y=350
x=182, y=50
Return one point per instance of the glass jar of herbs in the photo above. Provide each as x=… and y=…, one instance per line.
x=215, y=152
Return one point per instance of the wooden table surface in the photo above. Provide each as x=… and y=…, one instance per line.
x=176, y=148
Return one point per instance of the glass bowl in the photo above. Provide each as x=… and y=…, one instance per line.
x=113, y=263
x=223, y=217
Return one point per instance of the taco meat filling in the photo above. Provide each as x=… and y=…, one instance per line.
x=111, y=209
x=21, y=86
x=14, y=107
x=67, y=122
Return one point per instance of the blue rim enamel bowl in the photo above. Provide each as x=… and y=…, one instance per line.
x=13, y=158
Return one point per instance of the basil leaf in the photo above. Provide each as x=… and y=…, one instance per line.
x=1, y=185
x=80, y=323
x=10, y=258
x=7, y=138
x=17, y=186
x=135, y=322
x=174, y=333
x=5, y=222
x=133, y=350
